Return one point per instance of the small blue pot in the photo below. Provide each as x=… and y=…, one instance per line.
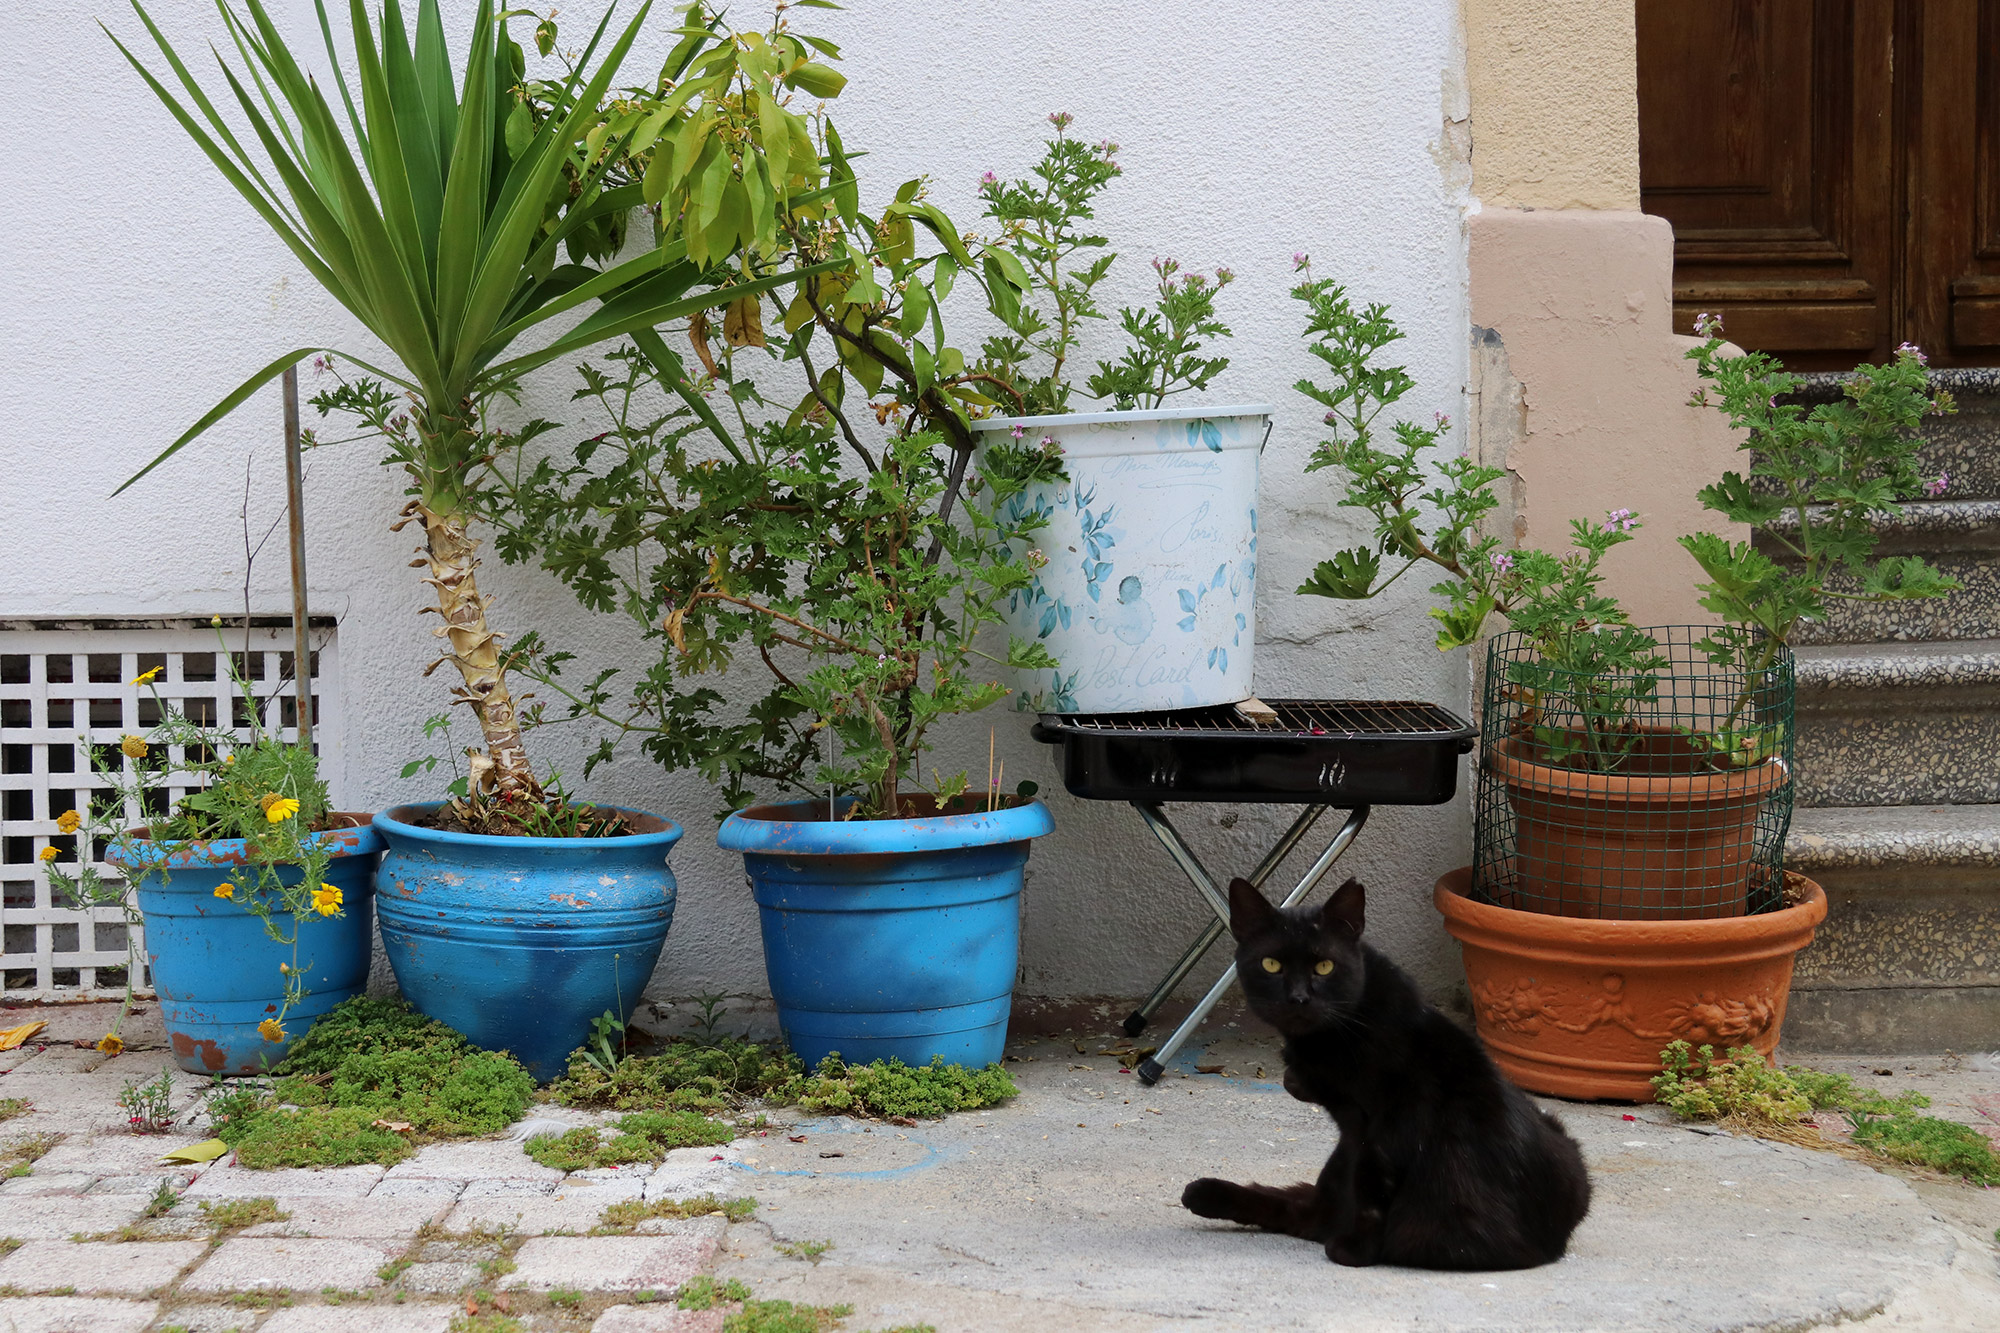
x=520, y=942
x=214, y=966
x=889, y=938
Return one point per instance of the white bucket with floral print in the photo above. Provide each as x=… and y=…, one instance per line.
x=1148, y=599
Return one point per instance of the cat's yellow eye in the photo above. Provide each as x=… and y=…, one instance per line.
x=1273, y=965
x=1324, y=967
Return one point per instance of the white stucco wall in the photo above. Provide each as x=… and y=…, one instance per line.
x=139, y=289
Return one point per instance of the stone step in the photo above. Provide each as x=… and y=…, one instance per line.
x=1960, y=537
x=1964, y=445
x=1898, y=724
x=1908, y=958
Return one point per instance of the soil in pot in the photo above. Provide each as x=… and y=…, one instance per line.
x=1581, y=1008
x=1668, y=835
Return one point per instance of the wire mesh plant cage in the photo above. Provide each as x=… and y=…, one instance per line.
x=1653, y=793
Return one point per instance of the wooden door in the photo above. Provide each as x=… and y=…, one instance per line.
x=1832, y=172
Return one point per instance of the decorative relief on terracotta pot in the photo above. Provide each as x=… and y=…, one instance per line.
x=1525, y=1005
x=1520, y=1007
x=1721, y=1022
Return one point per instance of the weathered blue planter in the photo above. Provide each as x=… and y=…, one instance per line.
x=889, y=938
x=215, y=968
x=520, y=942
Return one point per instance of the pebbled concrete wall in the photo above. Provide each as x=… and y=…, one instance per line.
x=141, y=289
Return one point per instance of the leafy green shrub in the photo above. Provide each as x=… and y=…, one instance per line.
x=723, y=1075
x=755, y=1316
x=643, y=1136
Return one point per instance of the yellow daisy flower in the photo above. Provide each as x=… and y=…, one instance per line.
x=69, y=821
x=146, y=677
x=134, y=747
x=277, y=809
x=270, y=1031
x=111, y=1043
x=225, y=890
x=326, y=899
x=50, y=853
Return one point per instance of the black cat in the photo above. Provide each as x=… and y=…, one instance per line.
x=1442, y=1163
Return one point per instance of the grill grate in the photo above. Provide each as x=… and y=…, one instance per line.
x=1345, y=719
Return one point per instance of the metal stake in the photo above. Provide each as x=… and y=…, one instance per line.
x=295, y=514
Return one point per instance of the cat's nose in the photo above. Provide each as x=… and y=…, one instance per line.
x=1297, y=994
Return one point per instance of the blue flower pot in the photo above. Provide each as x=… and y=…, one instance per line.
x=520, y=942
x=215, y=967
x=889, y=938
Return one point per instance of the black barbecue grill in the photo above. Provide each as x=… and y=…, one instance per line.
x=1320, y=753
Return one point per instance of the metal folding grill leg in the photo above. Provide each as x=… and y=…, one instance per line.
x=1152, y=1067
x=1156, y=819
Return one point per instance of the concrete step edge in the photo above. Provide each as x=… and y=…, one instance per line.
x=1865, y=837
x=1897, y=666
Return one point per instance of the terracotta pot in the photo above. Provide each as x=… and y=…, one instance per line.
x=1664, y=838
x=1578, y=1008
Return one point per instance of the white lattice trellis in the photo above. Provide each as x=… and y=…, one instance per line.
x=64, y=685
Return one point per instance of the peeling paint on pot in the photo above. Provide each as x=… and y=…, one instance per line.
x=214, y=966
x=1149, y=596
x=520, y=942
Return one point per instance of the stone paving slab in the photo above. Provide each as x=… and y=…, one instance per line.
x=367, y=1218
x=691, y=1171
x=484, y=1159
x=438, y=1279
x=74, y=1314
x=609, y=1263
x=229, y=1181
x=266, y=1264
x=147, y=1184
x=418, y=1189
x=479, y=1189
x=120, y=1154
x=119, y=1268
x=407, y=1318
x=55, y=1216
x=48, y=1182
x=660, y=1319
x=572, y=1211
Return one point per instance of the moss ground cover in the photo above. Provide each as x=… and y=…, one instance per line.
x=724, y=1074
x=642, y=1136
x=1741, y=1087
x=371, y=1081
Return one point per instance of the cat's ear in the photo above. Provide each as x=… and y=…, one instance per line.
x=1345, y=910
x=1249, y=910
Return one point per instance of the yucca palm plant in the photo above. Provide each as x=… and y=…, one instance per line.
x=435, y=216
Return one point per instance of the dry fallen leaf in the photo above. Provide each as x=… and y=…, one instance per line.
x=1208, y=1069
x=903, y=1120
x=796, y=1138
x=396, y=1126
x=502, y=1304
x=12, y=1037
x=833, y=1154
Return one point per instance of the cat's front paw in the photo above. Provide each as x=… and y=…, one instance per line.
x=1209, y=1197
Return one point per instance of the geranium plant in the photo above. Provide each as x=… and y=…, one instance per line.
x=257, y=787
x=1042, y=217
x=790, y=495
x=1833, y=471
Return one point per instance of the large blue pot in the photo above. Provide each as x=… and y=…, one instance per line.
x=215, y=967
x=520, y=942
x=889, y=938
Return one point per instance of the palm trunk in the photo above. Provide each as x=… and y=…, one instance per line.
x=451, y=555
